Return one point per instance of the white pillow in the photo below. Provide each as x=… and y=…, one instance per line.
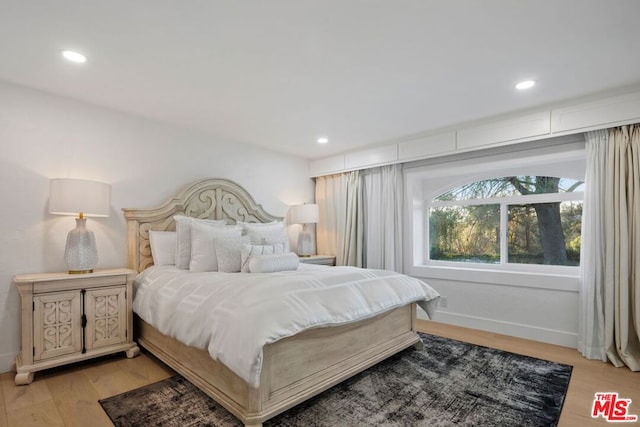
x=163, y=247
x=228, y=253
x=273, y=263
x=183, y=237
x=266, y=233
x=249, y=251
x=203, y=249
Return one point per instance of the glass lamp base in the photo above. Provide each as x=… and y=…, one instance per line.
x=305, y=242
x=80, y=252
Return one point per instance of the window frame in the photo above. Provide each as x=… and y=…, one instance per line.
x=503, y=203
x=425, y=180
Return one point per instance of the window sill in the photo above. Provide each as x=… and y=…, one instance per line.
x=552, y=281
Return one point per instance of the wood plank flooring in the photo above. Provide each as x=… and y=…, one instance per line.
x=68, y=396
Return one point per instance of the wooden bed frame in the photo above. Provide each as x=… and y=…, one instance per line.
x=295, y=368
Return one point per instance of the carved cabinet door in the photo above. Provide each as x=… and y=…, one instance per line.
x=57, y=324
x=106, y=311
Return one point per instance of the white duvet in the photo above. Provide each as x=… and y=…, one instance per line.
x=233, y=315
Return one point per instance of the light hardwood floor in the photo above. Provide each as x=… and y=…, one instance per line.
x=69, y=396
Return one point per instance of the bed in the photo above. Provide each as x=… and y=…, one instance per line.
x=293, y=368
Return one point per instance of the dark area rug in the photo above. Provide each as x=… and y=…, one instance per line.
x=448, y=383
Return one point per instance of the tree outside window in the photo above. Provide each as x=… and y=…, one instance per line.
x=508, y=220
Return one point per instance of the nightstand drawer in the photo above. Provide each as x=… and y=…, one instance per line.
x=78, y=283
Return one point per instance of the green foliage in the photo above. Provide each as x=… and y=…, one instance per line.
x=469, y=230
x=573, y=258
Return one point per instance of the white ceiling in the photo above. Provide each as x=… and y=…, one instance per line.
x=280, y=73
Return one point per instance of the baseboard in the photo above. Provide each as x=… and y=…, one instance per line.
x=7, y=362
x=550, y=336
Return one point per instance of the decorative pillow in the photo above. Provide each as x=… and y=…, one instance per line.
x=203, y=249
x=183, y=237
x=228, y=253
x=266, y=233
x=249, y=251
x=273, y=263
x=163, y=247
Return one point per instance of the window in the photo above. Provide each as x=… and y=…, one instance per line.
x=477, y=217
x=523, y=219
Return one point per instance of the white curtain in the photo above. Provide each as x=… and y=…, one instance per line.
x=610, y=295
x=350, y=230
x=591, y=321
x=340, y=229
x=360, y=217
x=328, y=193
x=383, y=197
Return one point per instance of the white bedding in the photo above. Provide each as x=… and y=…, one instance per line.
x=233, y=315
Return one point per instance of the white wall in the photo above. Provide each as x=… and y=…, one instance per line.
x=44, y=136
x=546, y=314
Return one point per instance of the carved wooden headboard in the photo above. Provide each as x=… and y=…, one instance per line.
x=212, y=198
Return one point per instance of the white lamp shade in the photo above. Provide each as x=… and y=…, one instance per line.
x=72, y=196
x=304, y=214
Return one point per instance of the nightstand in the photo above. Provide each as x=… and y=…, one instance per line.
x=319, y=259
x=67, y=318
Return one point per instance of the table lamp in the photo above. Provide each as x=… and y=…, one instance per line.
x=305, y=214
x=84, y=199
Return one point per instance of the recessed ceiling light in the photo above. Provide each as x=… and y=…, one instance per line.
x=527, y=84
x=74, y=56
x=323, y=140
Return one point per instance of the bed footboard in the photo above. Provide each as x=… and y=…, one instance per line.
x=295, y=368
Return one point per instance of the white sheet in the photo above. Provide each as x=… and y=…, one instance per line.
x=234, y=315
